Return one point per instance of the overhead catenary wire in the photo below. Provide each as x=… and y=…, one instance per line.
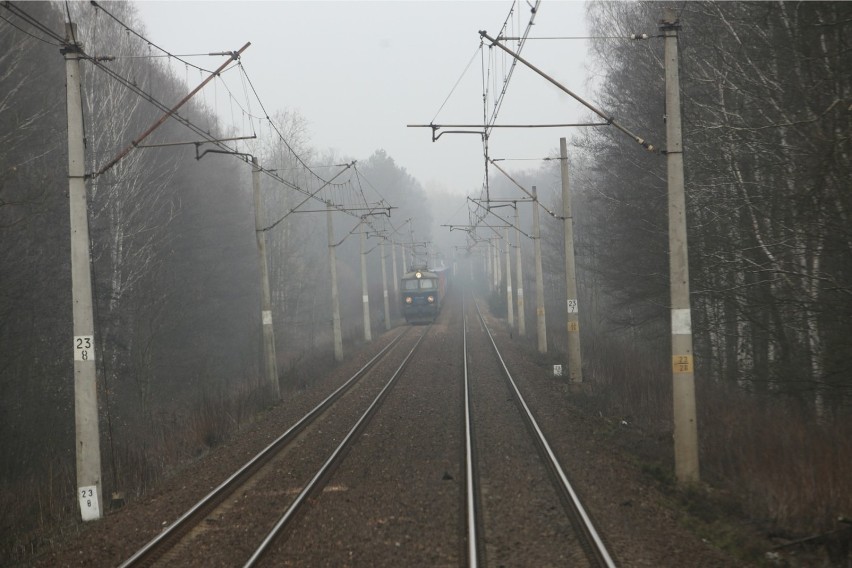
x=131, y=85
x=510, y=224
x=498, y=101
x=367, y=181
x=23, y=15
x=244, y=76
x=610, y=119
x=522, y=188
x=455, y=86
x=203, y=133
x=174, y=56
x=382, y=205
x=310, y=196
x=146, y=40
x=169, y=112
x=275, y=126
x=23, y=31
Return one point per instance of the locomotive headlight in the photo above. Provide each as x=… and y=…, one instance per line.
x=430, y=299
x=408, y=300
x=418, y=275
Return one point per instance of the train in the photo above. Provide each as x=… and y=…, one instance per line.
x=423, y=293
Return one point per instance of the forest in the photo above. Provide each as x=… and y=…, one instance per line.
x=766, y=94
x=767, y=116
x=174, y=266
x=766, y=90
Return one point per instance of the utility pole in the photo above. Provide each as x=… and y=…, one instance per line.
x=269, y=357
x=492, y=250
x=498, y=280
x=495, y=253
x=405, y=267
x=385, y=286
x=335, y=296
x=411, y=262
x=510, y=310
x=486, y=261
x=539, y=278
x=575, y=362
x=395, y=273
x=683, y=371
x=489, y=271
x=365, y=297
x=89, y=486
x=522, y=326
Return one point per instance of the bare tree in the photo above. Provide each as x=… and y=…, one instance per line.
x=767, y=147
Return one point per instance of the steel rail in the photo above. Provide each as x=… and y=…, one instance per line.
x=333, y=460
x=156, y=546
x=595, y=545
x=472, y=489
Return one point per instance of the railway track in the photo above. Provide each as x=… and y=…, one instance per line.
x=395, y=499
x=164, y=543
x=322, y=475
x=492, y=534
x=445, y=474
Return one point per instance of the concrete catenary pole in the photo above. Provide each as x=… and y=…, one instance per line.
x=485, y=254
x=575, y=362
x=522, y=324
x=489, y=269
x=510, y=309
x=269, y=357
x=335, y=296
x=89, y=486
x=395, y=273
x=385, y=286
x=683, y=371
x=365, y=297
x=495, y=252
x=409, y=258
x=541, y=326
x=498, y=262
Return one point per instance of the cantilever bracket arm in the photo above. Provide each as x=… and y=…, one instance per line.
x=436, y=128
x=136, y=141
x=465, y=228
x=230, y=153
x=487, y=127
x=609, y=119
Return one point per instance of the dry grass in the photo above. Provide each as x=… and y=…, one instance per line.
x=40, y=507
x=789, y=472
x=789, y=469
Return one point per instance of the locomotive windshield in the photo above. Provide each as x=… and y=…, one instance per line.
x=422, y=284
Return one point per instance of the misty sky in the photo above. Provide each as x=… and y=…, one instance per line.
x=359, y=72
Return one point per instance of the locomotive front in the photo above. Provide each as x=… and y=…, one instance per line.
x=421, y=296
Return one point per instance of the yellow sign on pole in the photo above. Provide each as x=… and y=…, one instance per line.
x=682, y=363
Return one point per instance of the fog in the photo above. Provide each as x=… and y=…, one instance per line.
x=321, y=99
